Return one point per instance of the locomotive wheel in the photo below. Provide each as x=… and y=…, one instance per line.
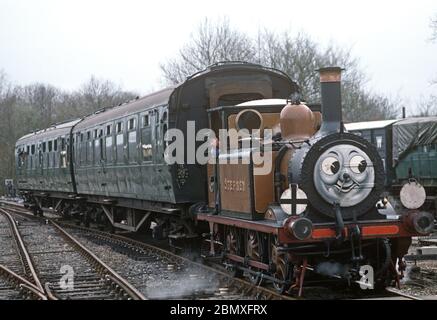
x=253, y=252
x=232, y=240
x=232, y=245
x=253, y=248
x=282, y=271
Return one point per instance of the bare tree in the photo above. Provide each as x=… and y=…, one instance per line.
x=212, y=42
x=38, y=105
x=427, y=107
x=8, y=127
x=298, y=56
x=43, y=98
x=96, y=94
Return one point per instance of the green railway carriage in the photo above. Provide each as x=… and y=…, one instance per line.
x=43, y=160
x=415, y=151
x=420, y=162
x=119, y=152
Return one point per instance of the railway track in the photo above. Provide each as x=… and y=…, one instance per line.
x=398, y=295
x=66, y=269
x=157, y=273
x=160, y=274
x=15, y=287
x=18, y=278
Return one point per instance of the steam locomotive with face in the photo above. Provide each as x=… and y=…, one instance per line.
x=318, y=211
x=286, y=192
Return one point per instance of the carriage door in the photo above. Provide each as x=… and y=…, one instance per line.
x=157, y=146
x=40, y=159
x=146, y=136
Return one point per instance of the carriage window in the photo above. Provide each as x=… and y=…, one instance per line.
x=97, y=154
x=33, y=149
x=108, y=143
x=63, y=159
x=119, y=127
x=81, y=137
x=43, y=147
x=146, y=120
x=63, y=144
x=379, y=142
x=120, y=148
x=164, y=117
x=164, y=131
x=88, y=135
x=95, y=133
x=131, y=124
x=55, y=145
x=120, y=140
x=50, y=146
x=21, y=157
x=108, y=130
x=132, y=138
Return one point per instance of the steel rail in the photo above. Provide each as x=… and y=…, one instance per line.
x=100, y=265
x=24, y=254
x=400, y=293
x=22, y=283
x=240, y=284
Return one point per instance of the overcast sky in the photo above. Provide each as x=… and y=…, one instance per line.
x=63, y=42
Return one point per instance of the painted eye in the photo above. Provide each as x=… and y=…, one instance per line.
x=358, y=164
x=330, y=166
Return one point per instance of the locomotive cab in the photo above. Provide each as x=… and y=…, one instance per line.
x=241, y=180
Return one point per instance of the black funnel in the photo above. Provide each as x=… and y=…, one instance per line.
x=330, y=83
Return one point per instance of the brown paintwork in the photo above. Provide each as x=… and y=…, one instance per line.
x=235, y=187
x=297, y=122
x=264, y=186
x=332, y=74
x=317, y=120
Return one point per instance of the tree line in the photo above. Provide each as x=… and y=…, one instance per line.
x=25, y=109
x=297, y=55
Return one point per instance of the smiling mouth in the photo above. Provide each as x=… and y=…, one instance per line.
x=344, y=188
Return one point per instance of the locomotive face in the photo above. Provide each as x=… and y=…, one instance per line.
x=344, y=175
